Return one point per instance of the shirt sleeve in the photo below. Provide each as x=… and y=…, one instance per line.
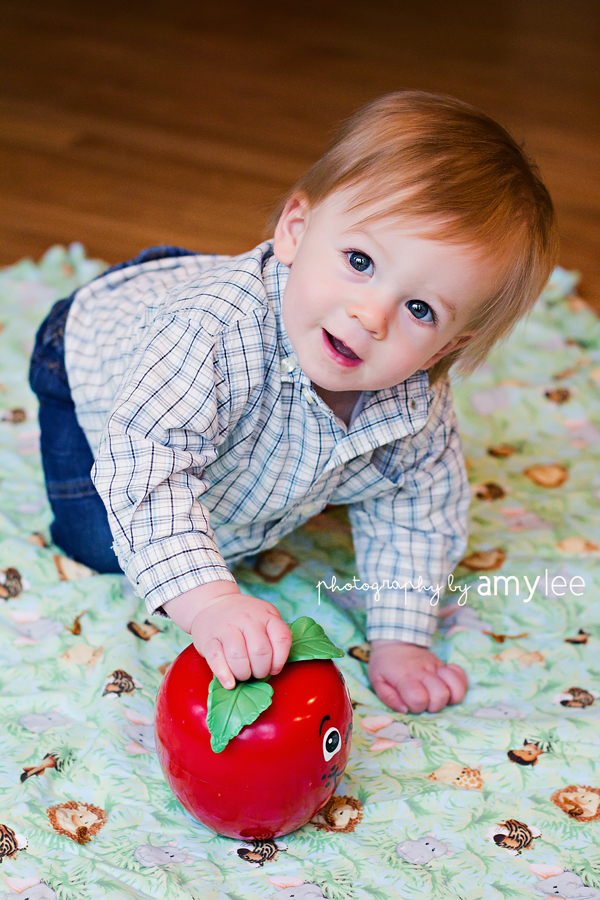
x=167, y=422
x=408, y=539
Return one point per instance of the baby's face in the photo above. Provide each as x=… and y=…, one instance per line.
x=368, y=305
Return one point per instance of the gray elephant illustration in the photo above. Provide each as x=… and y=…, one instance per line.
x=302, y=892
x=423, y=850
x=39, y=722
x=398, y=732
x=498, y=711
x=147, y=855
x=568, y=885
x=143, y=735
x=466, y=617
x=37, y=631
x=39, y=891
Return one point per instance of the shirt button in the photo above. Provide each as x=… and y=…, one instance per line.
x=307, y=394
x=288, y=365
x=310, y=509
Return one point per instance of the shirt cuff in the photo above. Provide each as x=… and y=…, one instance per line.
x=168, y=568
x=394, y=616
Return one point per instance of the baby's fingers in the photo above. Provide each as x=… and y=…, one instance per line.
x=438, y=690
x=236, y=654
x=281, y=641
x=389, y=695
x=456, y=680
x=260, y=651
x=215, y=657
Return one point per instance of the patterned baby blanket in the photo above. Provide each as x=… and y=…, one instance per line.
x=496, y=798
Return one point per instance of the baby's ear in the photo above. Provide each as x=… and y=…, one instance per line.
x=290, y=228
x=459, y=341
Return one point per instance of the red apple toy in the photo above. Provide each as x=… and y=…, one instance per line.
x=247, y=766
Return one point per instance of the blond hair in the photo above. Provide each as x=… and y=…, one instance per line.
x=455, y=175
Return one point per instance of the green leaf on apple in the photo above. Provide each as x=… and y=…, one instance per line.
x=229, y=710
x=309, y=641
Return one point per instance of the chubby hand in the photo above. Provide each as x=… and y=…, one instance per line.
x=409, y=678
x=240, y=636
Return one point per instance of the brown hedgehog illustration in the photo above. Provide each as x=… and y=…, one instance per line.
x=77, y=821
x=340, y=814
x=579, y=802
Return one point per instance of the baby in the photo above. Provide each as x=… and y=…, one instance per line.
x=220, y=402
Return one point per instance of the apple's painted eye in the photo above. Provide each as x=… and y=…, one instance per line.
x=332, y=742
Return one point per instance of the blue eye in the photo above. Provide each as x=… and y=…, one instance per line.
x=360, y=261
x=421, y=311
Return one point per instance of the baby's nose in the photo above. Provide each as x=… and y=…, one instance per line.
x=373, y=316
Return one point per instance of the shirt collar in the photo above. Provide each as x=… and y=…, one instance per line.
x=275, y=276
x=410, y=400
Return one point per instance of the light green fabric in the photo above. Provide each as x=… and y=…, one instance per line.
x=103, y=764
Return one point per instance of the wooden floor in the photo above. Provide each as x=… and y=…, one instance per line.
x=126, y=123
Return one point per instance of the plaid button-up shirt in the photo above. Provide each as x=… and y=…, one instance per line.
x=211, y=443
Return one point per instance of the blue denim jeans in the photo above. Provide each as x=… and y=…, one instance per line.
x=80, y=525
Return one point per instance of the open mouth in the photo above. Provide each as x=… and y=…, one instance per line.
x=340, y=347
